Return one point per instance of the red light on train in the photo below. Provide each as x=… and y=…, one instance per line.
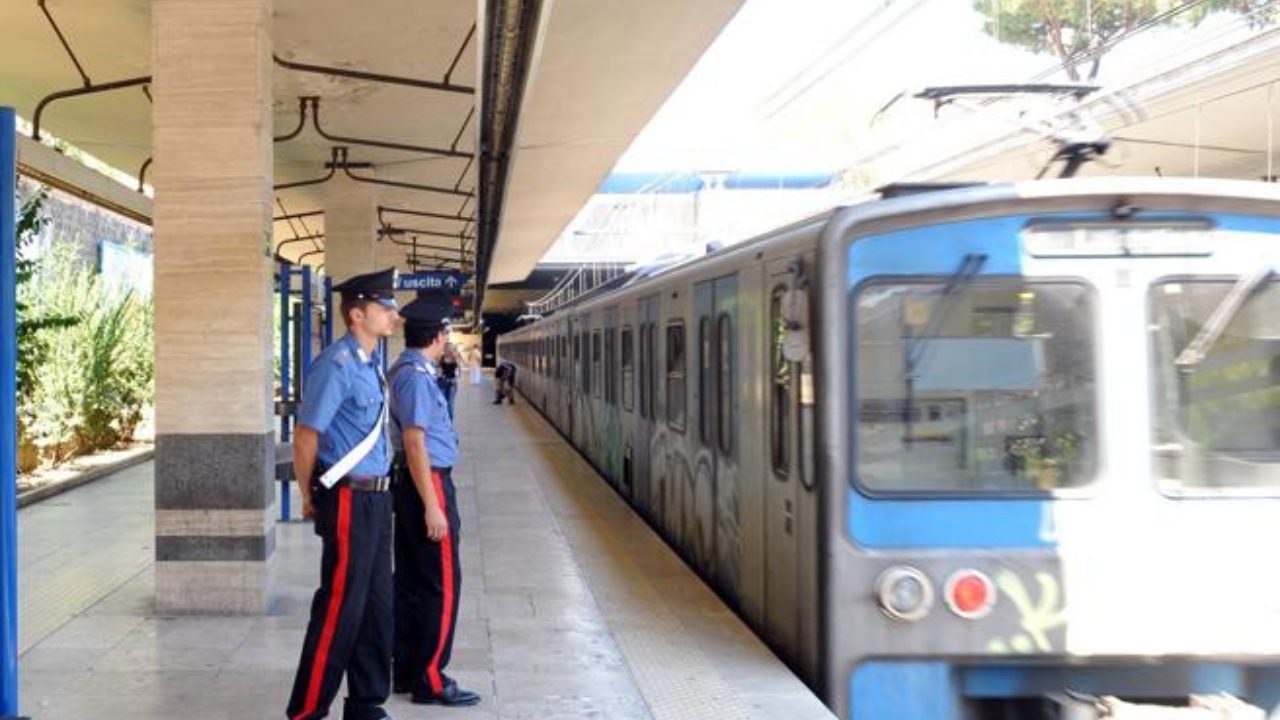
x=970, y=594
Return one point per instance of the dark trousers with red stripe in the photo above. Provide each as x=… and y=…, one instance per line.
x=351, y=615
x=428, y=578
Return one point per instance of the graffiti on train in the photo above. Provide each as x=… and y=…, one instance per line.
x=698, y=509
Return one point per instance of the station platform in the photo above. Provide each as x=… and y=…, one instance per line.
x=572, y=607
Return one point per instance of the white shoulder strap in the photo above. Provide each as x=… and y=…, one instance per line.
x=357, y=453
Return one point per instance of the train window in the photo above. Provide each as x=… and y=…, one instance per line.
x=575, y=369
x=628, y=354
x=675, y=376
x=706, y=393
x=596, y=358
x=988, y=388
x=651, y=370
x=586, y=363
x=724, y=382
x=1216, y=385
x=644, y=370
x=779, y=386
x=610, y=366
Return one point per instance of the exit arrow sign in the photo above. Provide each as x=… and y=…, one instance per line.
x=448, y=281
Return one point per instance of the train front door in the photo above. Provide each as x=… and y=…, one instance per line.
x=787, y=442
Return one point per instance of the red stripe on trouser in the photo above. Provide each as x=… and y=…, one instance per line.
x=335, y=603
x=446, y=577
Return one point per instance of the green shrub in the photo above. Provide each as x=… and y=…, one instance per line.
x=32, y=338
x=96, y=376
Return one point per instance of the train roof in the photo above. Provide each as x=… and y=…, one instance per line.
x=903, y=199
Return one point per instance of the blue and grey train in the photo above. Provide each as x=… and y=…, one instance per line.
x=964, y=453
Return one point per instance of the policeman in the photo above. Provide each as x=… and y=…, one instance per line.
x=428, y=575
x=341, y=461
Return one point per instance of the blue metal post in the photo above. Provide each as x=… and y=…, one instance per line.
x=8, y=417
x=307, y=312
x=285, y=395
x=328, y=311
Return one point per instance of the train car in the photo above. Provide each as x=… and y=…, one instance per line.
x=967, y=453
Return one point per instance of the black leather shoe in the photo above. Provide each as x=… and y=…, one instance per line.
x=451, y=696
x=400, y=687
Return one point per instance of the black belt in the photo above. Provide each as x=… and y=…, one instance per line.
x=401, y=459
x=365, y=483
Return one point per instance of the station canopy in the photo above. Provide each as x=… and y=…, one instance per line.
x=554, y=91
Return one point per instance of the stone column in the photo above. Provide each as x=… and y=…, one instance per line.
x=350, y=228
x=350, y=238
x=215, y=439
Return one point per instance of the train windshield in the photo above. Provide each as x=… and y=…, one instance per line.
x=986, y=389
x=1215, y=348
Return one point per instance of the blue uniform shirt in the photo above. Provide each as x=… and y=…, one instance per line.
x=417, y=401
x=341, y=401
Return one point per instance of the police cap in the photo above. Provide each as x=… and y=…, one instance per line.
x=430, y=310
x=376, y=287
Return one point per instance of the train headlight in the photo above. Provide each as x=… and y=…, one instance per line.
x=970, y=594
x=904, y=593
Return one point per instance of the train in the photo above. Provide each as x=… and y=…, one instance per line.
x=961, y=453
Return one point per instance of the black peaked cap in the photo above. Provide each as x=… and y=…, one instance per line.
x=429, y=309
x=376, y=286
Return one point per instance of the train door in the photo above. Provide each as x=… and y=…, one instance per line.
x=726, y=437
x=583, y=425
x=787, y=439
x=627, y=398
x=574, y=377
x=703, y=402
x=646, y=324
x=563, y=375
x=611, y=441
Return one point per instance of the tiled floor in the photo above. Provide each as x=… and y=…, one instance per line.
x=571, y=606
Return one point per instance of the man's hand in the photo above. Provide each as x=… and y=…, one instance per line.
x=305, y=443
x=437, y=523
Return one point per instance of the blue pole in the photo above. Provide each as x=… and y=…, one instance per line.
x=306, y=329
x=328, y=311
x=285, y=435
x=8, y=417
x=285, y=282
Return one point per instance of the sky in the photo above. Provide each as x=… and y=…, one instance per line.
x=795, y=85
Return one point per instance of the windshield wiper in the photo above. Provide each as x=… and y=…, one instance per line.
x=958, y=281
x=918, y=345
x=1196, y=350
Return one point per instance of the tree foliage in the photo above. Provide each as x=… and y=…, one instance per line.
x=86, y=358
x=1080, y=32
x=33, y=341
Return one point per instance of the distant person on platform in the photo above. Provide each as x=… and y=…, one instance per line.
x=428, y=576
x=474, y=363
x=449, y=373
x=341, y=463
x=504, y=383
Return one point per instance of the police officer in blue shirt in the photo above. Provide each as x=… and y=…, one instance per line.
x=341, y=461
x=428, y=575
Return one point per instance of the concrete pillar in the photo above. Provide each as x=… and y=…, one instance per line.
x=215, y=439
x=350, y=228
x=351, y=245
